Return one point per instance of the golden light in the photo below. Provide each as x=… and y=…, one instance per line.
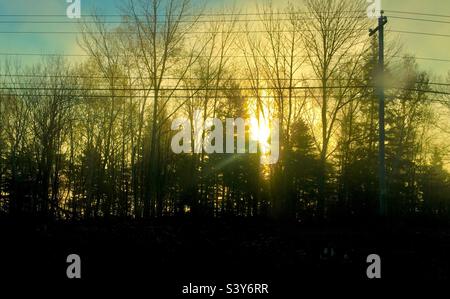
x=260, y=131
x=259, y=123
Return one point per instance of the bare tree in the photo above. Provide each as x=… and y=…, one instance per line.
x=332, y=38
x=161, y=31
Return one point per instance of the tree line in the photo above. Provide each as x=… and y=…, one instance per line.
x=91, y=139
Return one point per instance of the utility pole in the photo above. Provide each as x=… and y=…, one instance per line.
x=382, y=20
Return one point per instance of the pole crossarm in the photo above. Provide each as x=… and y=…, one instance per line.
x=375, y=30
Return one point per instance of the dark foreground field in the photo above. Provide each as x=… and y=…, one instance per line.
x=166, y=254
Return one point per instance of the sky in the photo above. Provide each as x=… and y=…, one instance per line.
x=12, y=17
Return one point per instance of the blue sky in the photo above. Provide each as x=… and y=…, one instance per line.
x=421, y=46
x=43, y=43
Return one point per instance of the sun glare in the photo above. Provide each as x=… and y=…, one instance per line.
x=259, y=124
x=260, y=131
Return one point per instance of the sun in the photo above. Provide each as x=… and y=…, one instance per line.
x=259, y=123
x=260, y=131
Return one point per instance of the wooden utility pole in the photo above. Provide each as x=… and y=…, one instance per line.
x=382, y=20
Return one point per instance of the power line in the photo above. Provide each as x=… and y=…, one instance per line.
x=200, y=21
x=426, y=58
x=419, y=20
x=182, y=88
x=162, y=22
x=146, y=96
x=187, y=32
x=427, y=91
x=216, y=32
x=420, y=33
x=205, y=21
x=164, y=78
x=185, y=15
x=419, y=13
x=202, y=56
x=224, y=79
x=175, y=88
x=232, y=14
x=176, y=56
